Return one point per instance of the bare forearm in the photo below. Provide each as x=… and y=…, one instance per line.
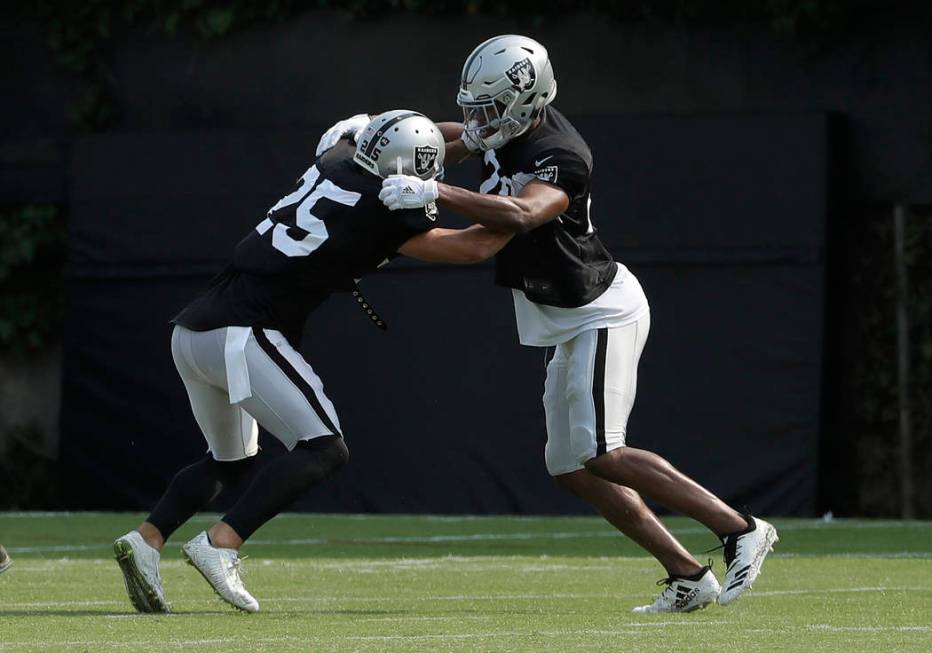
x=483, y=243
x=497, y=212
x=470, y=245
x=451, y=130
x=457, y=151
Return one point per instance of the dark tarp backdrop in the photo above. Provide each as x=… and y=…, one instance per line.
x=442, y=413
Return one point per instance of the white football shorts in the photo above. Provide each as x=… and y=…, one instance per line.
x=274, y=385
x=589, y=392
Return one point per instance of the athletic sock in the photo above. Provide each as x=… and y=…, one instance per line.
x=192, y=489
x=284, y=479
x=697, y=576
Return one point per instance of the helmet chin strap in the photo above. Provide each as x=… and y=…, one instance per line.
x=399, y=165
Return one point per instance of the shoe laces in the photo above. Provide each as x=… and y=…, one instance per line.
x=237, y=571
x=728, y=548
x=668, y=594
x=732, y=541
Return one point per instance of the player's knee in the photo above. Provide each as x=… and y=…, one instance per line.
x=610, y=465
x=572, y=482
x=339, y=452
x=329, y=453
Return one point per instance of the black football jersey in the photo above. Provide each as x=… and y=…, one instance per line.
x=562, y=263
x=319, y=239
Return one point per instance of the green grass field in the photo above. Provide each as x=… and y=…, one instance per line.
x=400, y=583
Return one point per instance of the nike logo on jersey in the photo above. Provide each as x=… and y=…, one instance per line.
x=537, y=163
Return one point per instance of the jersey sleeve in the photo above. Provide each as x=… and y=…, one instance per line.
x=562, y=168
x=408, y=223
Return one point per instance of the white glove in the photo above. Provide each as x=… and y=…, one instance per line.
x=407, y=192
x=351, y=126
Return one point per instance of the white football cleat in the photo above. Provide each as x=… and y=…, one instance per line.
x=685, y=594
x=220, y=568
x=744, y=554
x=139, y=563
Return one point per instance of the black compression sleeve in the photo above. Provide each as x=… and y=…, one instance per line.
x=192, y=489
x=284, y=479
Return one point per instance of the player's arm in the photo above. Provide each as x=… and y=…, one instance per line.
x=471, y=245
x=536, y=204
x=456, y=147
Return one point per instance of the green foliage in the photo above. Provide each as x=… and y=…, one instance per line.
x=31, y=257
x=81, y=35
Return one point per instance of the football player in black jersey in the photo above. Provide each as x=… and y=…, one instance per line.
x=589, y=312
x=235, y=346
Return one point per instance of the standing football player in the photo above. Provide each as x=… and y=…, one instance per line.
x=589, y=311
x=235, y=346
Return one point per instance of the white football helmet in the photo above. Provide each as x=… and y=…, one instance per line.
x=506, y=83
x=401, y=142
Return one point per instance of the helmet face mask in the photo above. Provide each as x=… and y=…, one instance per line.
x=401, y=142
x=483, y=122
x=506, y=83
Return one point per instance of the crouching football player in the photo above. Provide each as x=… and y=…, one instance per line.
x=235, y=345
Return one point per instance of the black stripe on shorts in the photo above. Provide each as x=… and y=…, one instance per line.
x=279, y=359
x=598, y=390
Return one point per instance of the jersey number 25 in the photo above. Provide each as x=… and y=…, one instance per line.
x=310, y=189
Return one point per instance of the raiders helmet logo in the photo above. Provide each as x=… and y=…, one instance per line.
x=424, y=158
x=522, y=75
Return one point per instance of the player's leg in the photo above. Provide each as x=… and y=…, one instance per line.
x=746, y=544
x=232, y=439
x=656, y=478
x=287, y=398
x=575, y=433
x=620, y=506
x=615, y=363
x=600, y=390
x=624, y=509
x=231, y=434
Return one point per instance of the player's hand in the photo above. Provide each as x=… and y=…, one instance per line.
x=349, y=127
x=407, y=192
